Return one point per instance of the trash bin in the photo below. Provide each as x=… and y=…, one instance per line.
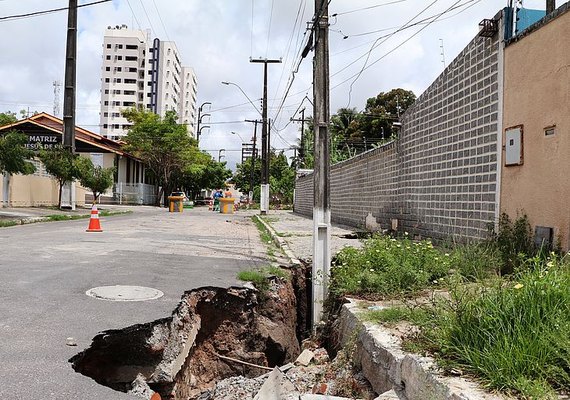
x=175, y=203
x=227, y=205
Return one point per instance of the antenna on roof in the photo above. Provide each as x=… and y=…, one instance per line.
x=442, y=52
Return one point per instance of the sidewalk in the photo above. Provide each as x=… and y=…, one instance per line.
x=294, y=234
x=33, y=214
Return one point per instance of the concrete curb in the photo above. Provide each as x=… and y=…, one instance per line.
x=387, y=367
x=280, y=242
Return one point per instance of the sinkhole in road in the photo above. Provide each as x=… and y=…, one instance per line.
x=213, y=334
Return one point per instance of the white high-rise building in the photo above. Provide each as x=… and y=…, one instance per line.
x=139, y=73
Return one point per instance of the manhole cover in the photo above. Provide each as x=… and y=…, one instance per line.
x=124, y=293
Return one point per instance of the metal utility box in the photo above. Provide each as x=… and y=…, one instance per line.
x=514, y=145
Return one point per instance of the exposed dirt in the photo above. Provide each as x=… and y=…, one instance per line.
x=182, y=355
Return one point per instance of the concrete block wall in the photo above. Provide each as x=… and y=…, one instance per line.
x=439, y=179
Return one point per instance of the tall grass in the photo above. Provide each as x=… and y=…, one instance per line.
x=514, y=335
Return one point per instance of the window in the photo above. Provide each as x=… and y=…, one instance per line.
x=107, y=57
x=105, y=114
x=107, y=80
x=131, y=47
x=129, y=92
x=118, y=80
x=117, y=69
x=116, y=126
x=116, y=103
x=130, y=81
x=105, y=126
x=168, y=52
x=106, y=103
x=107, y=69
x=167, y=74
x=116, y=115
x=132, y=69
x=116, y=91
x=106, y=91
x=128, y=103
x=108, y=45
x=130, y=58
x=550, y=130
x=118, y=58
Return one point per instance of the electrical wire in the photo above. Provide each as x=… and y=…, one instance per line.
x=53, y=10
x=134, y=15
x=368, y=8
x=269, y=28
x=161, y=21
x=148, y=18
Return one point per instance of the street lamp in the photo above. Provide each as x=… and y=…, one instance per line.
x=200, y=132
x=246, y=96
x=220, y=154
x=200, y=118
x=238, y=135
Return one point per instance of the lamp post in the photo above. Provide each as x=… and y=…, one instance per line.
x=200, y=118
x=200, y=132
x=246, y=96
x=220, y=154
x=238, y=135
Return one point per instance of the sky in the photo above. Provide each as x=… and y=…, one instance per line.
x=218, y=38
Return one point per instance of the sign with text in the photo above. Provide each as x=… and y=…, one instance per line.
x=43, y=141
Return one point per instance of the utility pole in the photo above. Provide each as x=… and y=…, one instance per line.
x=321, y=187
x=264, y=204
x=253, y=156
x=550, y=6
x=68, y=193
x=302, y=147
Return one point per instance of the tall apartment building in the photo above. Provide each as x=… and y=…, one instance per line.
x=139, y=73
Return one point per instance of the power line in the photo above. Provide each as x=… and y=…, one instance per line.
x=134, y=15
x=148, y=18
x=161, y=21
x=53, y=10
x=368, y=8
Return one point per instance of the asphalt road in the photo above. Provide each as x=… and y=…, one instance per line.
x=46, y=268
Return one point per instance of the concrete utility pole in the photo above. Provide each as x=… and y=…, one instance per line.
x=321, y=187
x=68, y=192
x=302, y=147
x=253, y=156
x=550, y=6
x=265, y=145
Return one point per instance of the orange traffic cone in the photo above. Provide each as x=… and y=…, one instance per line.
x=94, y=224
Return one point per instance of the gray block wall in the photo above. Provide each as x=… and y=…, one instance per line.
x=439, y=179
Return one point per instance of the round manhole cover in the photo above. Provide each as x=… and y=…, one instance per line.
x=124, y=293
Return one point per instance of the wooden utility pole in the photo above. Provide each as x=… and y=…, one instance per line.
x=68, y=195
x=265, y=145
x=321, y=187
x=302, y=147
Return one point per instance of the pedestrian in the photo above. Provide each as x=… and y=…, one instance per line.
x=217, y=195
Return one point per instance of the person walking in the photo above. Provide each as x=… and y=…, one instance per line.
x=217, y=195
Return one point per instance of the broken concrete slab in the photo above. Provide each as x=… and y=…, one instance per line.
x=277, y=387
x=305, y=357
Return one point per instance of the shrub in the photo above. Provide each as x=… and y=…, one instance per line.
x=388, y=266
x=476, y=261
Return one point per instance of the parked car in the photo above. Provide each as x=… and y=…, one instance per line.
x=203, y=201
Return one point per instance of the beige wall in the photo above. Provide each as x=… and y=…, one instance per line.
x=34, y=191
x=537, y=95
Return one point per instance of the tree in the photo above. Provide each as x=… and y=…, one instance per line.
x=14, y=156
x=281, y=177
x=204, y=173
x=61, y=164
x=381, y=111
x=95, y=178
x=7, y=118
x=162, y=144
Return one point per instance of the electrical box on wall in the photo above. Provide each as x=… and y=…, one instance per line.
x=514, y=145
x=543, y=236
